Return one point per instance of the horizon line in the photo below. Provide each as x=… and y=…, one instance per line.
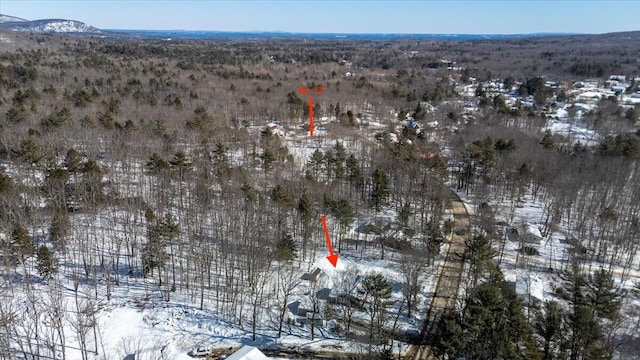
x=364, y=33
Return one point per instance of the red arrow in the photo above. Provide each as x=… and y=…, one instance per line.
x=333, y=258
x=310, y=116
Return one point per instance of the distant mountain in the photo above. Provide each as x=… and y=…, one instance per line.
x=7, y=18
x=46, y=25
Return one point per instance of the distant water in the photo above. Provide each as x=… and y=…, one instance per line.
x=187, y=34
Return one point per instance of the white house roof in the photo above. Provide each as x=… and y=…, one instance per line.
x=590, y=95
x=533, y=231
x=248, y=353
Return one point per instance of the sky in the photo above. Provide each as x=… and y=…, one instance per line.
x=400, y=16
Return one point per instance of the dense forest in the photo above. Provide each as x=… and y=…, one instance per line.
x=129, y=162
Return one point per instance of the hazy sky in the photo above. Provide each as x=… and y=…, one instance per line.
x=459, y=17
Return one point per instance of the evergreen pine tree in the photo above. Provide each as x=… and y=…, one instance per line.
x=47, y=263
x=305, y=212
x=379, y=190
x=585, y=339
x=268, y=158
x=156, y=164
x=280, y=196
x=316, y=163
x=354, y=173
x=376, y=292
x=548, y=323
x=221, y=157
x=21, y=244
x=491, y=325
x=286, y=247
x=603, y=295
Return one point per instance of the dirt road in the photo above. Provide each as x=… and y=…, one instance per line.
x=448, y=284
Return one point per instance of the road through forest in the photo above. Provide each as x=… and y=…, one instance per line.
x=448, y=283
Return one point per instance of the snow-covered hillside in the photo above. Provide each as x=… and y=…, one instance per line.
x=7, y=18
x=47, y=25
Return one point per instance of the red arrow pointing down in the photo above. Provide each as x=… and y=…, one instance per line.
x=333, y=258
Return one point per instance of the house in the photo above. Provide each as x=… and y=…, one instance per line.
x=324, y=294
x=392, y=137
x=313, y=275
x=276, y=129
x=412, y=124
x=621, y=78
x=582, y=107
x=531, y=235
x=589, y=96
x=295, y=308
x=526, y=234
x=248, y=353
x=618, y=89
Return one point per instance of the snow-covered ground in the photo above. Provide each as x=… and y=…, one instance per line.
x=131, y=312
x=537, y=277
x=573, y=132
x=137, y=319
x=559, y=122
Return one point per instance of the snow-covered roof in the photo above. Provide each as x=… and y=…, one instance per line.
x=584, y=107
x=618, y=77
x=248, y=353
x=412, y=124
x=533, y=231
x=590, y=95
x=631, y=100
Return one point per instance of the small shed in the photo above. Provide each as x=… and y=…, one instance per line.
x=323, y=294
x=313, y=275
x=616, y=77
x=276, y=129
x=532, y=235
x=526, y=234
x=248, y=353
x=294, y=307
